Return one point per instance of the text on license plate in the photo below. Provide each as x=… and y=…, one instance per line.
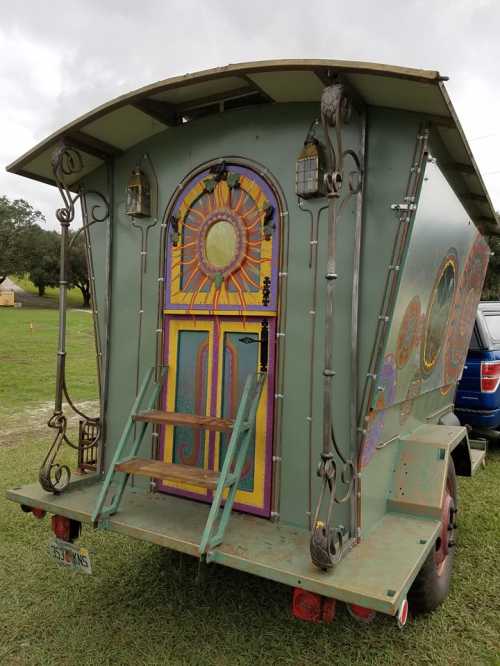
x=68, y=555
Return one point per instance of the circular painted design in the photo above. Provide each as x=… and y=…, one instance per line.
x=438, y=313
x=224, y=240
x=463, y=313
x=408, y=332
x=413, y=392
x=222, y=243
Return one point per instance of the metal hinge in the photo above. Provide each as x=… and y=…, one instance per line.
x=403, y=206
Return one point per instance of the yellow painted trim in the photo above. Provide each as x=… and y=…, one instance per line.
x=179, y=297
x=176, y=326
x=255, y=498
x=224, y=313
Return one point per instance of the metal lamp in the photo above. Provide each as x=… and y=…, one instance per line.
x=138, y=194
x=309, y=169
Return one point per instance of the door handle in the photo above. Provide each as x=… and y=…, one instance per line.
x=247, y=340
x=264, y=344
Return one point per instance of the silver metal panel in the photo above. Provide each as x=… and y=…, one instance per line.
x=41, y=165
x=200, y=90
x=124, y=127
x=286, y=81
x=289, y=86
x=399, y=94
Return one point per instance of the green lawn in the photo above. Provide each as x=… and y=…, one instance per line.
x=144, y=606
x=75, y=298
x=28, y=357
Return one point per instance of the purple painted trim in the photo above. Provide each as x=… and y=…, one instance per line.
x=164, y=352
x=276, y=242
x=160, y=484
x=250, y=173
x=276, y=233
x=213, y=395
x=271, y=375
x=209, y=308
x=263, y=511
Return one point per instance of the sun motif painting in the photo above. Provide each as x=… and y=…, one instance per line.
x=221, y=309
x=222, y=243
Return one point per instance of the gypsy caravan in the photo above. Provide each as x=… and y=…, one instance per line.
x=286, y=258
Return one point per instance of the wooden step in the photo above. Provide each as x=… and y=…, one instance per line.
x=189, y=420
x=169, y=472
x=478, y=459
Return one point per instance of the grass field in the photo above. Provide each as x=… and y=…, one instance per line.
x=143, y=604
x=28, y=357
x=75, y=298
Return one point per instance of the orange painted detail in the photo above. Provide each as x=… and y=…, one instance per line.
x=38, y=513
x=361, y=613
x=312, y=607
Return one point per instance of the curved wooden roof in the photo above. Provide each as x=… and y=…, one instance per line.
x=114, y=127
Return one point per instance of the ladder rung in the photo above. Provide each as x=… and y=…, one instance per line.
x=169, y=472
x=197, y=421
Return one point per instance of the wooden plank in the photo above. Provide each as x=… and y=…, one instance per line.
x=197, y=421
x=170, y=472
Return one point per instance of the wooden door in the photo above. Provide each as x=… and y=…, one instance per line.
x=220, y=321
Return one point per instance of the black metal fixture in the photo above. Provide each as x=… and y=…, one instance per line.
x=67, y=163
x=263, y=341
x=310, y=167
x=266, y=290
x=138, y=194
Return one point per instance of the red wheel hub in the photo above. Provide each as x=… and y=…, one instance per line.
x=445, y=538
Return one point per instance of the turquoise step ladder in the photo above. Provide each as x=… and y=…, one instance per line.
x=125, y=462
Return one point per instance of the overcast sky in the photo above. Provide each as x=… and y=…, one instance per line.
x=61, y=59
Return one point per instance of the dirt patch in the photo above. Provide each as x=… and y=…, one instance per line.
x=15, y=428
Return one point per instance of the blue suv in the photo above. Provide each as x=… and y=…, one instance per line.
x=477, y=402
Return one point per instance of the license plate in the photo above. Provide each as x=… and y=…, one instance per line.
x=71, y=556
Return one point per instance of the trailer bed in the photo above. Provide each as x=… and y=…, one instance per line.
x=377, y=573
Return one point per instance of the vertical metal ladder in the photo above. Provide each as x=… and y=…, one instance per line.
x=126, y=463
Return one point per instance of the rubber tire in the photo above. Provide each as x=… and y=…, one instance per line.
x=430, y=590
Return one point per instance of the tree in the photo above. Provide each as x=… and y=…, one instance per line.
x=17, y=219
x=491, y=289
x=44, y=258
x=78, y=275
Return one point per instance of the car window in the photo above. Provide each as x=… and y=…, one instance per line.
x=492, y=322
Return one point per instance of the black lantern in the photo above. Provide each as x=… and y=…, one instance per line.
x=309, y=169
x=138, y=194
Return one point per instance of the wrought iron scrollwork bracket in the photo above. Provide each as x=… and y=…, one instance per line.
x=67, y=162
x=327, y=541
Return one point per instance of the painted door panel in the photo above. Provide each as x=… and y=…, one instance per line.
x=237, y=358
x=221, y=303
x=189, y=390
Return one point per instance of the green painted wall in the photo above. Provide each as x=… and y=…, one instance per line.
x=442, y=278
x=273, y=136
